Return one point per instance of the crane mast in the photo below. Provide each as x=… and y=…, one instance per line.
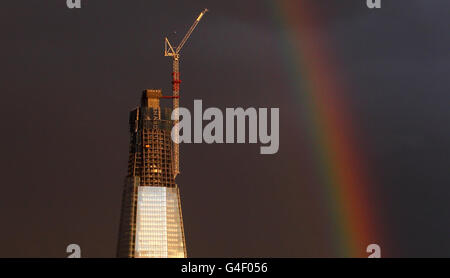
x=175, y=54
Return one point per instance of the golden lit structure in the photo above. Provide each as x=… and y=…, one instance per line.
x=151, y=224
x=159, y=230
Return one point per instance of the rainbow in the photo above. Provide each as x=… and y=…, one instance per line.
x=321, y=93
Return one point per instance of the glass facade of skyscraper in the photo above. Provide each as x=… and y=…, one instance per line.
x=158, y=229
x=151, y=224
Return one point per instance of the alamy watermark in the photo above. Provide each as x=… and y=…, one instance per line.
x=73, y=250
x=71, y=4
x=374, y=250
x=213, y=132
x=373, y=4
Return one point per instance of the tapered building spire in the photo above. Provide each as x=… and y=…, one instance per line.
x=151, y=224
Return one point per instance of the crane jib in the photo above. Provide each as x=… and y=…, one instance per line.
x=175, y=53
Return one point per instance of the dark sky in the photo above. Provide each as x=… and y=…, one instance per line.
x=69, y=78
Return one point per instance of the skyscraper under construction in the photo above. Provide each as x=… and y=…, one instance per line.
x=151, y=224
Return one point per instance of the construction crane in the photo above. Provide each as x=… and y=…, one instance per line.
x=175, y=54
